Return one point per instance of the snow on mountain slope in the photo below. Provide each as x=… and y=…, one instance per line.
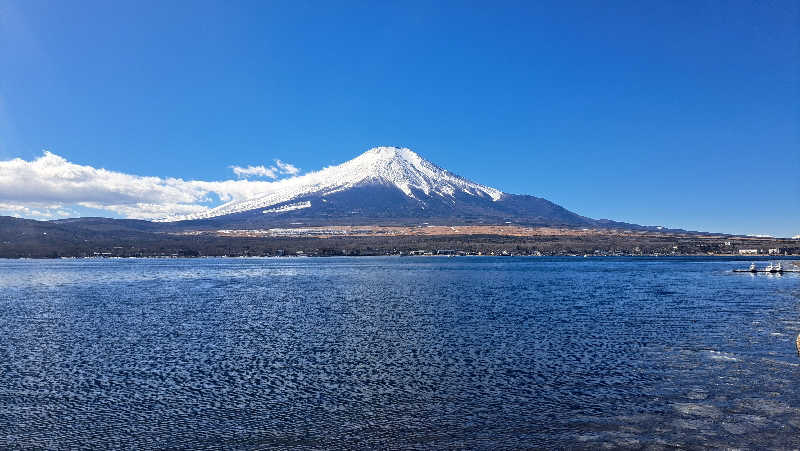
x=388, y=166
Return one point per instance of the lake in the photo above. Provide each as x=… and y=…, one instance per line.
x=412, y=352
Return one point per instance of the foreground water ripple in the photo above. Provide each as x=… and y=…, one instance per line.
x=397, y=353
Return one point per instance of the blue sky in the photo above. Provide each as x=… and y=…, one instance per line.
x=684, y=114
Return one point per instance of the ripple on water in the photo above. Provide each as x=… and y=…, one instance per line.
x=396, y=353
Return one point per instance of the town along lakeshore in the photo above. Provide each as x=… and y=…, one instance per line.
x=20, y=238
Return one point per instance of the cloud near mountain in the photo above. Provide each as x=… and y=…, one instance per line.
x=51, y=186
x=272, y=172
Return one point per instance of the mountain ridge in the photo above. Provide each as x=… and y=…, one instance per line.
x=387, y=186
x=396, y=167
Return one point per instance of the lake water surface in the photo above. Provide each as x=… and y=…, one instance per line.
x=397, y=353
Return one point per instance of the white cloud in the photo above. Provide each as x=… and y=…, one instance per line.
x=287, y=168
x=272, y=172
x=146, y=210
x=258, y=171
x=47, y=186
x=35, y=210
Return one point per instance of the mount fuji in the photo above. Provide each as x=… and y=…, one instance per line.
x=387, y=186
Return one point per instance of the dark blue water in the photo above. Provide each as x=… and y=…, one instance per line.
x=397, y=353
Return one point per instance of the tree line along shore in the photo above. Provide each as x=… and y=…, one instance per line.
x=49, y=245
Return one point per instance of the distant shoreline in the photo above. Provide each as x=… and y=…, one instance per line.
x=35, y=239
x=725, y=257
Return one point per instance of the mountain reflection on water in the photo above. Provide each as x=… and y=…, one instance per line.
x=397, y=353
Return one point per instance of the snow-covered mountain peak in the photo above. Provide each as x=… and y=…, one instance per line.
x=381, y=159
x=389, y=154
x=396, y=167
